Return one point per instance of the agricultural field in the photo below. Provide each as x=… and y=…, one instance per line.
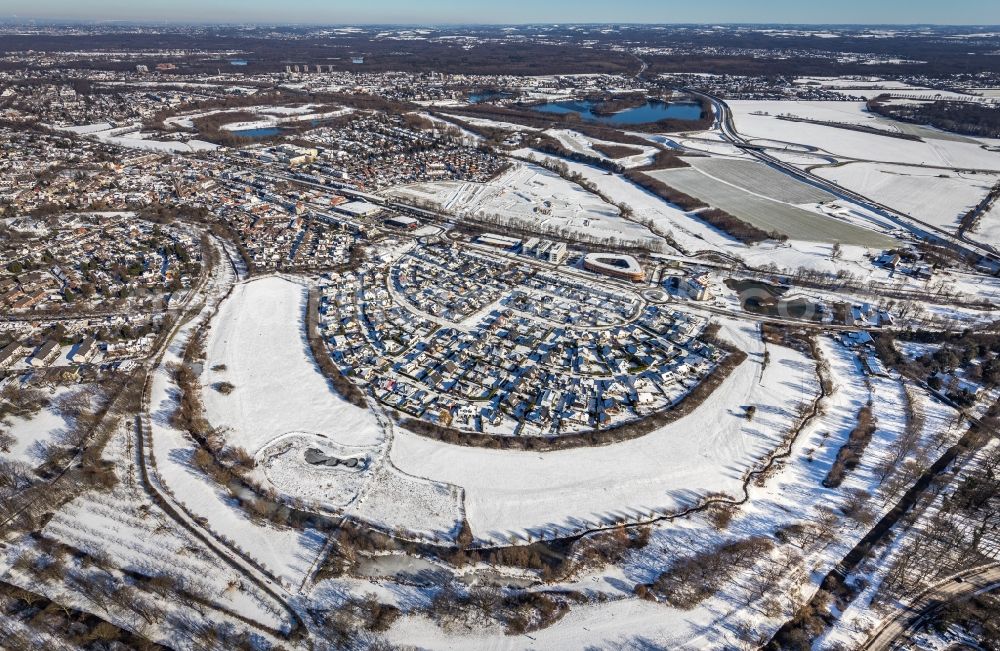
x=759, y=122
x=769, y=214
x=935, y=196
x=760, y=179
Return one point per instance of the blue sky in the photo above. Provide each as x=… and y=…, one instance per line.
x=515, y=11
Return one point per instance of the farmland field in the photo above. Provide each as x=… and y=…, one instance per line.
x=760, y=179
x=934, y=196
x=768, y=214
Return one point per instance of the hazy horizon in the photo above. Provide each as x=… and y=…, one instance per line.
x=512, y=12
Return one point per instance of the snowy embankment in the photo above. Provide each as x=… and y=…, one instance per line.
x=526, y=495
x=286, y=553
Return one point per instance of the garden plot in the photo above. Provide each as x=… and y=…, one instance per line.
x=768, y=214
x=760, y=179
x=522, y=495
x=257, y=344
x=934, y=196
x=531, y=197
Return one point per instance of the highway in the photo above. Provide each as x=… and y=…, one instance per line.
x=905, y=622
x=724, y=119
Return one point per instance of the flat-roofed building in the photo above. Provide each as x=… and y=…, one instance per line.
x=616, y=265
x=499, y=241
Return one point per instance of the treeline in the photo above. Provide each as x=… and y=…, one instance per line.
x=691, y=580
x=849, y=455
x=967, y=118
x=970, y=220
x=853, y=127
x=659, y=188
x=210, y=128
x=615, y=150
x=609, y=104
x=664, y=159
x=743, y=231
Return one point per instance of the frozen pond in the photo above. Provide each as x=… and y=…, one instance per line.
x=651, y=111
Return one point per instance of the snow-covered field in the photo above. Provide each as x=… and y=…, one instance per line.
x=287, y=553
x=259, y=339
x=529, y=494
x=279, y=115
x=989, y=226
x=257, y=343
x=534, y=197
x=186, y=120
x=138, y=139
x=797, y=222
x=581, y=144
x=934, y=196
x=853, y=144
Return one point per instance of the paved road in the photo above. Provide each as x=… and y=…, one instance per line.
x=927, y=604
